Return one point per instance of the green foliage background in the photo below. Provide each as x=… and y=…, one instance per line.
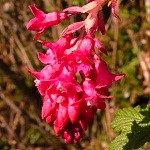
x=134, y=126
x=128, y=45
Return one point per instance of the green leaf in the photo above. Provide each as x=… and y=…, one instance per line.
x=134, y=127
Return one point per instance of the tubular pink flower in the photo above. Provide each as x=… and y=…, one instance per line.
x=86, y=46
x=87, y=114
x=48, y=58
x=42, y=21
x=48, y=109
x=91, y=95
x=62, y=118
x=74, y=109
x=104, y=77
x=55, y=51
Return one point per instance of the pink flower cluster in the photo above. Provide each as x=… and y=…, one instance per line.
x=75, y=80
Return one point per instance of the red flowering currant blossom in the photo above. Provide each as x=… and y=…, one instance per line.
x=75, y=80
x=42, y=21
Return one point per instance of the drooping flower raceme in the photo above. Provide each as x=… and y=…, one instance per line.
x=75, y=79
x=42, y=21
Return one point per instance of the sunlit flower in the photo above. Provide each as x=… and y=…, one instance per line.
x=75, y=80
x=42, y=21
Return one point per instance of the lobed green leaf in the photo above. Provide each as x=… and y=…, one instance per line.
x=134, y=126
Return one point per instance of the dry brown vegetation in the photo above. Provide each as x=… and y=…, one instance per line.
x=128, y=44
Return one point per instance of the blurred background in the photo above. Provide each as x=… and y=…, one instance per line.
x=128, y=45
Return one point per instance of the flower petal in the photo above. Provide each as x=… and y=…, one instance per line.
x=48, y=58
x=73, y=10
x=62, y=118
x=88, y=7
x=74, y=110
x=87, y=114
x=37, y=12
x=73, y=28
x=101, y=23
x=34, y=25
x=104, y=77
x=100, y=46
